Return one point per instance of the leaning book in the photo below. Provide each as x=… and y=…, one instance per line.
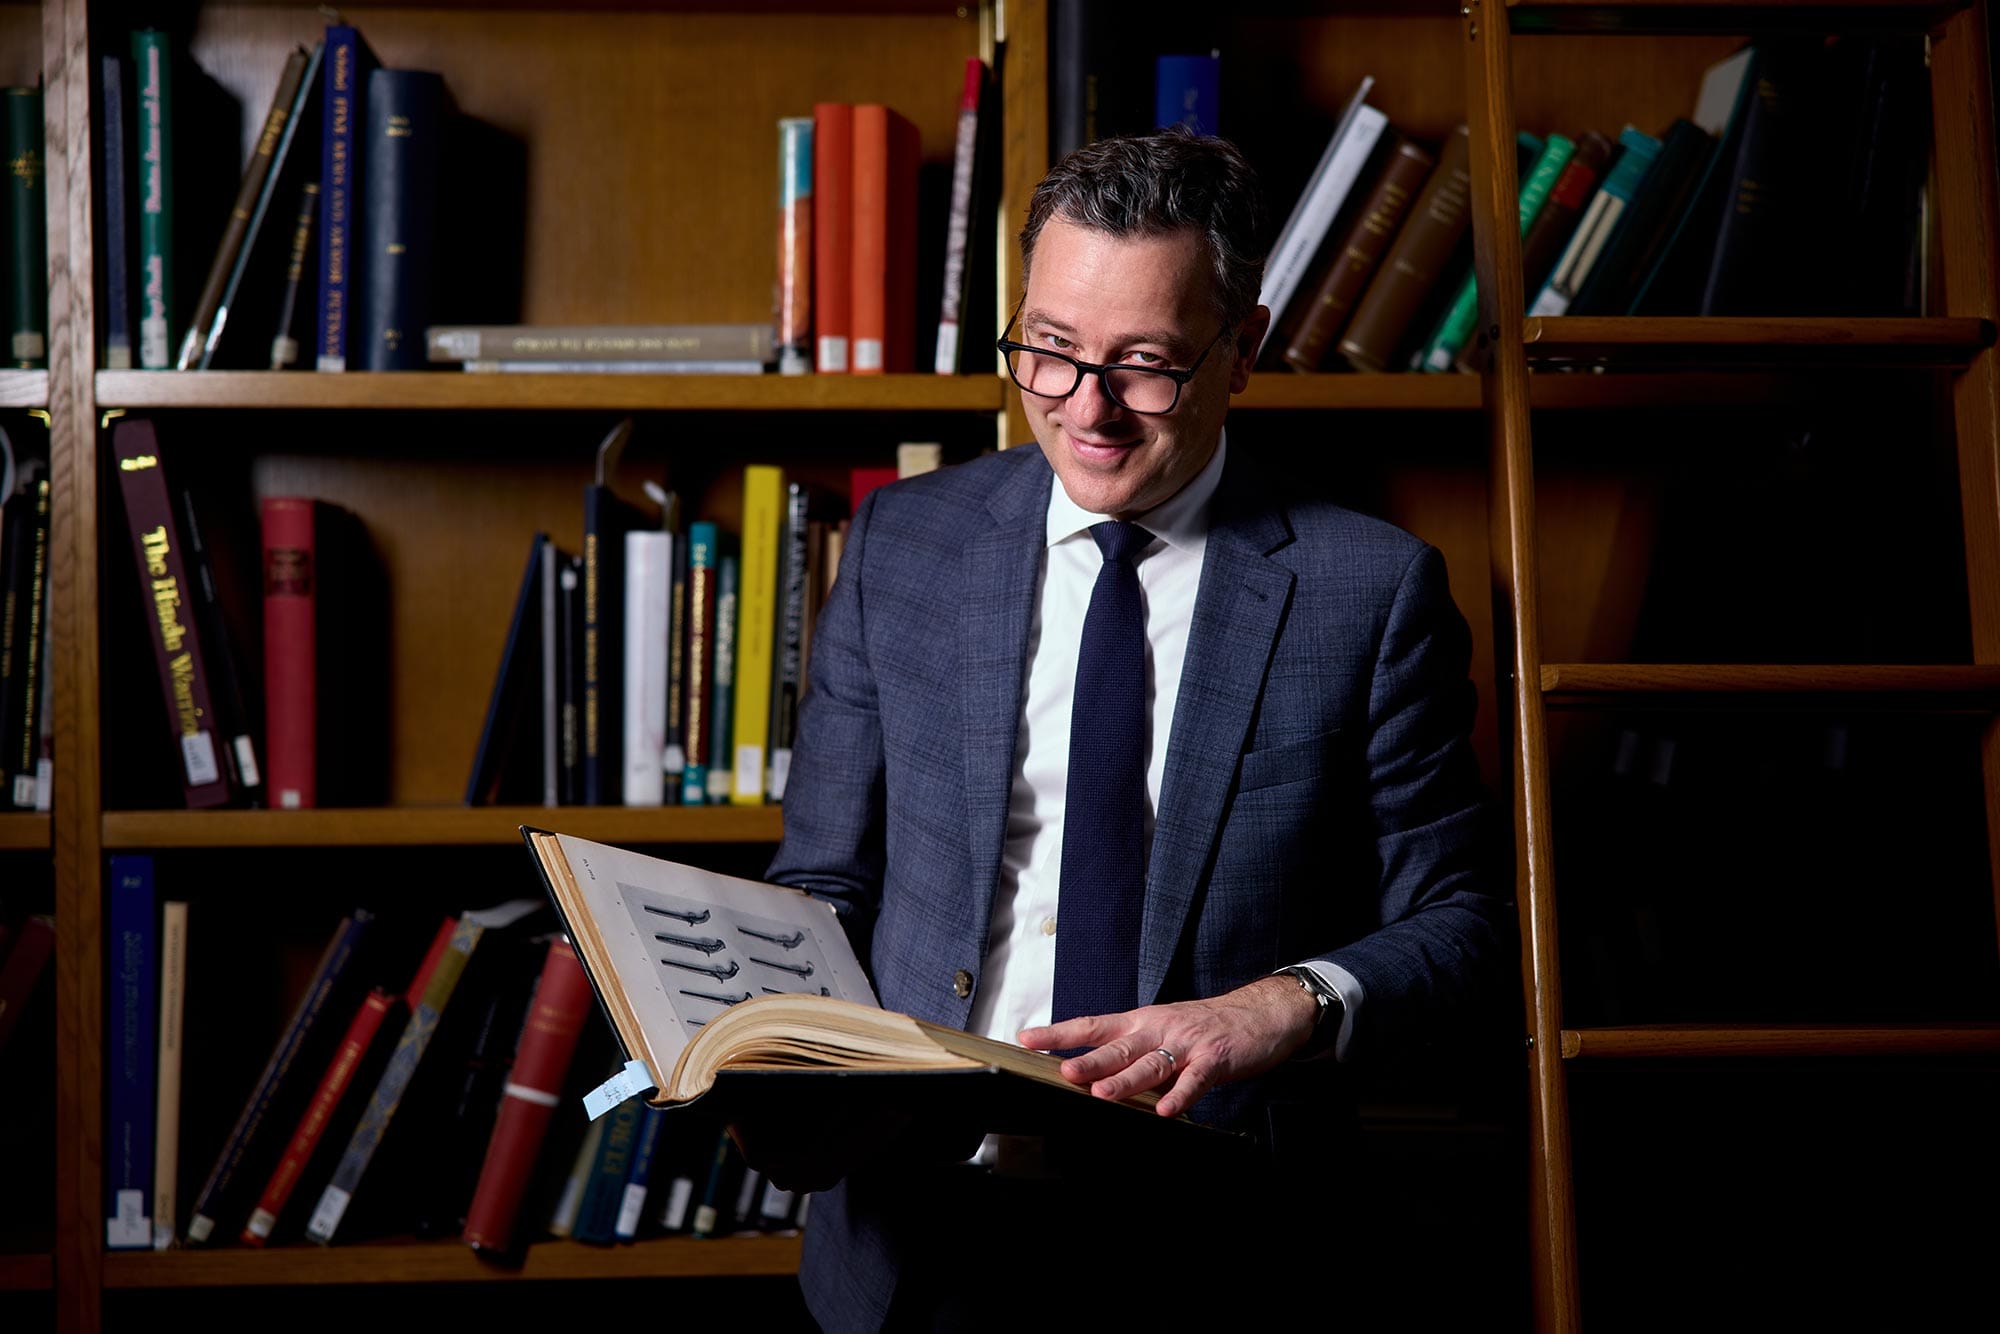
x=738, y=995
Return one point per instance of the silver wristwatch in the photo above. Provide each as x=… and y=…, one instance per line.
x=1326, y=1024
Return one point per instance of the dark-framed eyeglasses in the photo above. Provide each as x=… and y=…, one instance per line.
x=1151, y=391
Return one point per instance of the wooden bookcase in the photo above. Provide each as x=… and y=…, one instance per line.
x=649, y=131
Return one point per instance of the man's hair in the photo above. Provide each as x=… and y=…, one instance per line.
x=1153, y=184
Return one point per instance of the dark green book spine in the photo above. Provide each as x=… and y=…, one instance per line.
x=27, y=229
x=152, y=74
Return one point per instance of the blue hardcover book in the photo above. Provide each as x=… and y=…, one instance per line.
x=597, y=1217
x=117, y=314
x=722, y=701
x=500, y=767
x=132, y=972
x=348, y=63
x=645, y=1147
x=1187, y=90
x=401, y=158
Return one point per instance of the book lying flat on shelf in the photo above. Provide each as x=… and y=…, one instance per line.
x=746, y=995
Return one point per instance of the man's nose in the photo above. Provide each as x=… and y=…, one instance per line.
x=1090, y=406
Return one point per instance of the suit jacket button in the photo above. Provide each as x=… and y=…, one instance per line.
x=961, y=984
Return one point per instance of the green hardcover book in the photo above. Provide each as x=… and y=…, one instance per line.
x=27, y=285
x=152, y=64
x=1459, y=320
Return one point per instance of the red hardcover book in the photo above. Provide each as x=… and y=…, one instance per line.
x=884, y=271
x=170, y=606
x=361, y=1036
x=291, y=652
x=860, y=481
x=549, y=1040
x=958, y=227
x=439, y=944
x=832, y=235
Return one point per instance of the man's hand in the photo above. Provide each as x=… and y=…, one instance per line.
x=1234, y=1036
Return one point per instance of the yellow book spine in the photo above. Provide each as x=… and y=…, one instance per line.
x=756, y=628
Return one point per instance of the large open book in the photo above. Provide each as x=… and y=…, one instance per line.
x=743, y=994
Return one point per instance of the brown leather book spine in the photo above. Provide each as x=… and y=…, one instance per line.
x=1426, y=242
x=1360, y=251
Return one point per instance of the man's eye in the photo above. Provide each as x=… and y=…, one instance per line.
x=1147, y=358
x=1058, y=342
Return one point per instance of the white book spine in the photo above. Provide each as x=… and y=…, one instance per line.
x=167, y=1114
x=646, y=573
x=1318, y=208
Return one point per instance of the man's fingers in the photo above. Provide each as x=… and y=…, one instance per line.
x=1151, y=1069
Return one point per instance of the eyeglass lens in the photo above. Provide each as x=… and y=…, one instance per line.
x=1130, y=387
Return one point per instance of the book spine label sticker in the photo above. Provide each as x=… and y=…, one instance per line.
x=630, y=1082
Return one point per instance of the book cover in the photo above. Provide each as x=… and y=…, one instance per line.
x=793, y=290
x=698, y=733
x=1187, y=91
x=1543, y=243
x=548, y=1042
x=958, y=225
x=199, y=340
x=291, y=650
x=24, y=603
x=547, y=697
x=287, y=327
x=132, y=994
x=398, y=263
x=569, y=662
x=728, y=993
x=1358, y=253
x=673, y=752
x=220, y=621
x=153, y=157
x=884, y=241
x=1423, y=251
x=501, y=766
x=604, y=1190
x=1636, y=152
x=607, y=517
x=606, y=344
x=639, y=1180
x=833, y=236
x=1342, y=165
x=356, y=1059
x=349, y=63
x=756, y=627
x=27, y=230
x=167, y=587
x=648, y=567
x=1642, y=233
x=722, y=693
x=805, y=506
x=282, y=1087
x=1765, y=187
x=114, y=111
x=167, y=1105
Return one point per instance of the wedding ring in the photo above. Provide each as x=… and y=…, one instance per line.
x=1171, y=1062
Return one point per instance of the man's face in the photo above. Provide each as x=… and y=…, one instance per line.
x=1145, y=301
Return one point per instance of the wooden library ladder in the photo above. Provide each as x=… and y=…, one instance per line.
x=1961, y=342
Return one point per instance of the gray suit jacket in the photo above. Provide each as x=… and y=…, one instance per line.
x=1320, y=800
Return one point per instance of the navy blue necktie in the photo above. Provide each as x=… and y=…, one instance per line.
x=1104, y=805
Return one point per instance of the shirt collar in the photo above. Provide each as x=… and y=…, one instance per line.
x=1179, y=521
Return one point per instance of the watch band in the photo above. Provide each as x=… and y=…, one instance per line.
x=1326, y=1023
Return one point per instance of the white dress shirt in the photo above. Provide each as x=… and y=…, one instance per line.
x=1018, y=985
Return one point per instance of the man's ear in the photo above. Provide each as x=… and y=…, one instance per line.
x=1248, y=339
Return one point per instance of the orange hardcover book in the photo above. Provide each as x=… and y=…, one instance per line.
x=884, y=273
x=832, y=232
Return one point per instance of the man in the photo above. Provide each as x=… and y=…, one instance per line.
x=1124, y=695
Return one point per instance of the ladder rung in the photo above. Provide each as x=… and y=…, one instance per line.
x=1943, y=689
x=1664, y=1040
x=1744, y=342
x=1644, y=16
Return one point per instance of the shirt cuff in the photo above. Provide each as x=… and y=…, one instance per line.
x=1346, y=986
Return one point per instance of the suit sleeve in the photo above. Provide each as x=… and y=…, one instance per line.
x=1442, y=938
x=833, y=841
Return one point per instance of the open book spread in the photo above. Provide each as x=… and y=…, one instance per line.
x=702, y=973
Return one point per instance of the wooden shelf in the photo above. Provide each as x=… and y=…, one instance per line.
x=1411, y=392
x=1687, y=340
x=458, y=390
x=1699, y=1040
x=24, y=830
x=24, y=389
x=1936, y=689
x=1690, y=16
x=413, y=1261
x=438, y=825
x=32, y=1272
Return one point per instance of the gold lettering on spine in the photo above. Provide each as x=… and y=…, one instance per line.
x=166, y=595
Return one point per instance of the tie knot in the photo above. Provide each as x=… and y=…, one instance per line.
x=1119, y=541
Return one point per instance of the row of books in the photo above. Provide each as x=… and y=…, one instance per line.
x=1796, y=186
x=1109, y=76
x=327, y=253
x=26, y=714
x=250, y=717
x=469, y=1060
x=24, y=229
x=664, y=664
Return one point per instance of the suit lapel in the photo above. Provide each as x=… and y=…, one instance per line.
x=998, y=572
x=1238, y=611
